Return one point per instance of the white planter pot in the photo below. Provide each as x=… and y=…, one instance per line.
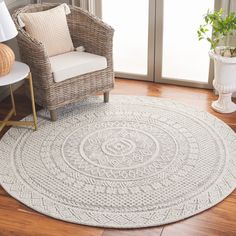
x=224, y=82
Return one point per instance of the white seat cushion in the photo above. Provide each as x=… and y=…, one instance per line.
x=72, y=64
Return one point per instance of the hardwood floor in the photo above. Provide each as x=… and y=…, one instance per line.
x=17, y=219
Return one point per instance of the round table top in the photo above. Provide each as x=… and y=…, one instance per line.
x=18, y=72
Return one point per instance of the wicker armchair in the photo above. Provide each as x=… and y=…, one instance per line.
x=86, y=30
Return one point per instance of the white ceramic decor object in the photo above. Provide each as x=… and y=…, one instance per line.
x=224, y=82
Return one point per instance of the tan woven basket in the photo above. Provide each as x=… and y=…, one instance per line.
x=7, y=59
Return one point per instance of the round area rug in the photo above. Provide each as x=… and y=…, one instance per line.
x=134, y=162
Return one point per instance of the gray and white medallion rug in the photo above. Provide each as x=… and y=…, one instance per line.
x=135, y=162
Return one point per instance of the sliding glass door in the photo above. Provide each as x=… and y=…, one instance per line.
x=134, y=36
x=156, y=40
x=180, y=58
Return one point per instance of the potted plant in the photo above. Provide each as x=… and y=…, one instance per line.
x=218, y=27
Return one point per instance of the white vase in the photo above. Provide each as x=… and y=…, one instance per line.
x=224, y=82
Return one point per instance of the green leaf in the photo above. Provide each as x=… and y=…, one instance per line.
x=222, y=25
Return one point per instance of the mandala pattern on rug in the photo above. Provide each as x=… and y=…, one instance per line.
x=135, y=162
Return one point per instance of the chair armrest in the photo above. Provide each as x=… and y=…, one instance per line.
x=92, y=33
x=33, y=54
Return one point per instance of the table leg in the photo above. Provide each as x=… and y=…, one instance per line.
x=5, y=121
x=32, y=100
x=13, y=100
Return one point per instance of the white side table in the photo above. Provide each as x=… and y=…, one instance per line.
x=19, y=72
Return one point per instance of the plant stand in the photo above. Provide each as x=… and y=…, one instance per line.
x=224, y=103
x=224, y=83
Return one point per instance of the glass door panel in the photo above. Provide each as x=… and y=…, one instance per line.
x=156, y=40
x=183, y=56
x=130, y=19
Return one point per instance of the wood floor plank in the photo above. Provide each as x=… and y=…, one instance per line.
x=144, y=232
x=17, y=219
x=23, y=223
x=219, y=220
